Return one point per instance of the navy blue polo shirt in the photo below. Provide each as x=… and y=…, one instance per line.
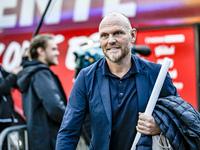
x=124, y=105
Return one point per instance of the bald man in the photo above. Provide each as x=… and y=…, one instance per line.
x=114, y=91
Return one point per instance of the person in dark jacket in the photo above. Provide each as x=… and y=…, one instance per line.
x=113, y=91
x=43, y=97
x=7, y=83
x=7, y=112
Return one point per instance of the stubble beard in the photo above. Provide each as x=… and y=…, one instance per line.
x=52, y=61
x=113, y=57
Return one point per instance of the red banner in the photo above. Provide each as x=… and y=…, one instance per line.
x=177, y=44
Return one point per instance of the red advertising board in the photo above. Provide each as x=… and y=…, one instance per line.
x=68, y=41
x=177, y=44
x=75, y=22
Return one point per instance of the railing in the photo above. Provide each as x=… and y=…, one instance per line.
x=16, y=137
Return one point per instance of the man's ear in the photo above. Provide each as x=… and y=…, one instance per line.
x=134, y=34
x=40, y=51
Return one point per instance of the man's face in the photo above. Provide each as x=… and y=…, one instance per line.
x=115, y=38
x=51, y=53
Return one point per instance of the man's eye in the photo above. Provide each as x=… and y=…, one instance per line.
x=104, y=35
x=117, y=33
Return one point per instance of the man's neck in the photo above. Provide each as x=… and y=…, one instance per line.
x=121, y=68
x=43, y=61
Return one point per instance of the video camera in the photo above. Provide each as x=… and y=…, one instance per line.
x=88, y=54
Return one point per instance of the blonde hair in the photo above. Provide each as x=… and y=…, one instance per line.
x=39, y=41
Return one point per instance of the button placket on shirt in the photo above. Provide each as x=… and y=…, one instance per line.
x=120, y=91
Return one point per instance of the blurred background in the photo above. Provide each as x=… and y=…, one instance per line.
x=168, y=28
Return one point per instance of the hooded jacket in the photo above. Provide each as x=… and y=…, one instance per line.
x=180, y=123
x=44, y=102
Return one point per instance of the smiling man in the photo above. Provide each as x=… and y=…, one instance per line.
x=113, y=91
x=43, y=97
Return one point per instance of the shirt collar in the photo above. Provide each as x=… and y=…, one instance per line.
x=133, y=70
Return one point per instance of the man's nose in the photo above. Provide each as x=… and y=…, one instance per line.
x=58, y=53
x=111, y=39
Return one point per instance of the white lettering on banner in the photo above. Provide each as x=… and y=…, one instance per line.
x=178, y=85
x=154, y=40
x=164, y=50
x=173, y=73
x=81, y=10
x=7, y=20
x=27, y=13
x=75, y=44
x=160, y=61
x=28, y=9
x=53, y=15
x=25, y=44
x=128, y=9
x=176, y=38
x=13, y=53
x=59, y=38
x=2, y=47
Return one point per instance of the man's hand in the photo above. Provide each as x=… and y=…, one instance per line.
x=17, y=70
x=147, y=125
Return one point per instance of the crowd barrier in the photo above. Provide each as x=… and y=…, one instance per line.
x=15, y=137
